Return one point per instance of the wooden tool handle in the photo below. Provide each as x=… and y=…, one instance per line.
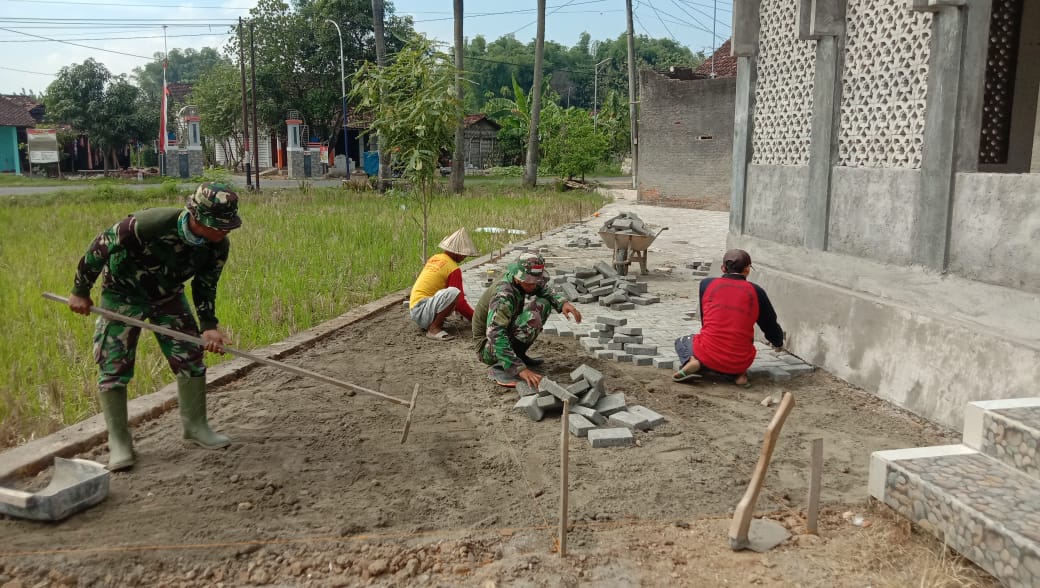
x=115, y=316
x=738, y=529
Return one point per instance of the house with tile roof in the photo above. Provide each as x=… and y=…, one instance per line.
x=15, y=117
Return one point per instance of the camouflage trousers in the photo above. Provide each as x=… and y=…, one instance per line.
x=522, y=332
x=115, y=343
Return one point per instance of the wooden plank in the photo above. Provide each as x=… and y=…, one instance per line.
x=815, y=476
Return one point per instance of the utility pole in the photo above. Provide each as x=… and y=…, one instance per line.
x=632, y=81
x=384, y=153
x=714, y=19
x=458, y=158
x=256, y=134
x=531, y=169
x=595, y=94
x=245, y=110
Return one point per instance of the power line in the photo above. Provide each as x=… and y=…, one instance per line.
x=77, y=44
x=118, y=38
x=687, y=12
x=39, y=73
x=668, y=30
x=152, y=5
x=554, y=12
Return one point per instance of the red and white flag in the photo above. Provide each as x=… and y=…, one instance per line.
x=162, y=114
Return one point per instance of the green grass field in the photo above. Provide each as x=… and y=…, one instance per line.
x=302, y=257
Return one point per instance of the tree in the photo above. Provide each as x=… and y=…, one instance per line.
x=574, y=148
x=531, y=169
x=218, y=97
x=415, y=112
x=108, y=110
x=186, y=66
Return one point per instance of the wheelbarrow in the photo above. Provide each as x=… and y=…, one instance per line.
x=76, y=484
x=628, y=248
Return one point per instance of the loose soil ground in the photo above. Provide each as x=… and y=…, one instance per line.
x=318, y=491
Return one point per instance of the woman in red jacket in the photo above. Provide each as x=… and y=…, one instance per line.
x=730, y=306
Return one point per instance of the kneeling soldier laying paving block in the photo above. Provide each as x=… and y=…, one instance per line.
x=507, y=326
x=144, y=261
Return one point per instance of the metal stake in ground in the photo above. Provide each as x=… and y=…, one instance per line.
x=115, y=316
x=767, y=534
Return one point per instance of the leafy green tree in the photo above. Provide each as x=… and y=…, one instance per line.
x=186, y=66
x=574, y=148
x=416, y=112
x=612, y=121
x=218, y=97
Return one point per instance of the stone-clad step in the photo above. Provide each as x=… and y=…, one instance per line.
x=988, y=512
x=1006, y=430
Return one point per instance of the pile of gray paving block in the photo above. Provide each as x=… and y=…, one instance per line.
x=583, y=243
x=627, y=223
x=591, y=407
x=603, y=284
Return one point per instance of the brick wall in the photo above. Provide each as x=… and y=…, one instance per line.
x=685, y=141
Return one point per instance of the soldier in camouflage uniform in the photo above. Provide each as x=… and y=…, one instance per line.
x=507, y=326
x=144, y=261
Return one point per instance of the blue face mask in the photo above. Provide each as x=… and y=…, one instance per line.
x=184, y=230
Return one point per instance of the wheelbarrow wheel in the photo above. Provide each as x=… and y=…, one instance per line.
x=621, y=261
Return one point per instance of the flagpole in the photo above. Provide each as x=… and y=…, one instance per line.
x=162, y=121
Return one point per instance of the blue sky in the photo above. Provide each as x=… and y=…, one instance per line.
x=121, y=35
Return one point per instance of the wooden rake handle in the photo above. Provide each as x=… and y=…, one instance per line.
x=115, y=316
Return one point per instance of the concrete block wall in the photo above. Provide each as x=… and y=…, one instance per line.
x=776, y=202
x=685, y=141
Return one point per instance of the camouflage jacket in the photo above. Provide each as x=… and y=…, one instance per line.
x=145, y=261
x=499, y=306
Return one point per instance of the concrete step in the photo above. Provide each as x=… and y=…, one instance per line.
x=985, y=510
x=1006, y=430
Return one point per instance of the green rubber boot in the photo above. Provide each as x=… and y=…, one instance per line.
x=120, y=443
x=191, y=393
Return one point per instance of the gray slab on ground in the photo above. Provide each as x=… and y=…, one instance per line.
x=529, y=406
x=578, y=425
x=653, y=418
x=619, y=437
x=611, y=403
x=590, y=414
x=624, y=418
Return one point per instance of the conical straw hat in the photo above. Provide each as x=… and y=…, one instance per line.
x=459, y=243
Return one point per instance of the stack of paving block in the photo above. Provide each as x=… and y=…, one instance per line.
x=583, y=243
x=601, y=283
x=627, y=223
x=700, y=269
x=590, y=407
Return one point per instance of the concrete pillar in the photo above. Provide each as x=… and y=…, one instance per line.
x=1035, y=166
x=1022, y=143
x=824, y=21
x=294, y=148
x=930, y=235
x=196, y=162
x=973, y=83
x=746, y=26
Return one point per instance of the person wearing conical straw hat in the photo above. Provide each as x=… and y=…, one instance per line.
x=438, y=289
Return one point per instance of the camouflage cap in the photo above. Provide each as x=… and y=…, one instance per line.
x=531, y=268
x=215, y=205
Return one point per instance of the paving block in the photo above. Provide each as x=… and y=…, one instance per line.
x=652, y=299
x=636, y=287
x=653, y=418
x=608, y=281
x=611, y=321
x=613, y=298
x=611, y=438
x=525, y=389
x=601, y=291
x=605, y=270
x=623, y=306
x=586, y=299
x=580, y=387
x=624, y=418
x=629, y=330
x=611, y=403
x=799, y=370
x=546, y=402
x=640, y=349
x=584, y=272
x=778, y=374
x=529, y=406
x=604, y=354
x=623, y=356
x=570, y=291
x=589, y=413
x=664, y=363
x=640, y=301
x=565, y=332
x=758, y=370
x=790, y=359
x=557, y=390
x=636, y=339
x=616, y=346
x=585, y=372
x=591, y=396
x=578, y=425
x=590, y=344
x=642, y=359
x=550, y=330
x=591, y=282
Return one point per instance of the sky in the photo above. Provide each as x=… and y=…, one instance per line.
x=39, y=37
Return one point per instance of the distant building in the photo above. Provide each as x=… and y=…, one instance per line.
x=15, y=118
x=481, y=142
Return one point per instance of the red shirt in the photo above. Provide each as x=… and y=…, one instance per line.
x=730, y=307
